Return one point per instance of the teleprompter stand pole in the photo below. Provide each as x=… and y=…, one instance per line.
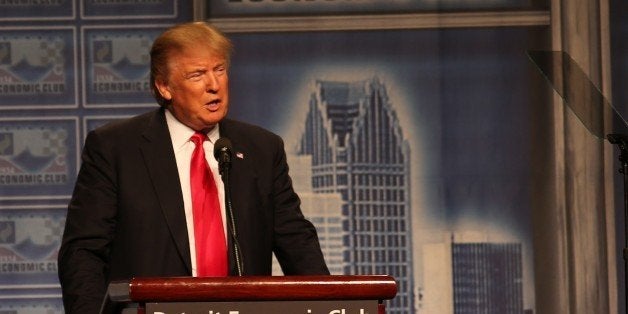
x=622, y=143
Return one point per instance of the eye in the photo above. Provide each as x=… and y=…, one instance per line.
x=196, y=75
x=220, y=70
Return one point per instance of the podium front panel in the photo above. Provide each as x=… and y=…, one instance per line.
x=262, y=307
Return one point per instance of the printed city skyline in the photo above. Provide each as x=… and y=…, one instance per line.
x=356, y=208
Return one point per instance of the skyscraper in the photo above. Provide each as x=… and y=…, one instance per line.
x=487, y=278
x=357, y=147
x=322, y=209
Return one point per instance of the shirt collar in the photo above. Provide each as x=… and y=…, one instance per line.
x=180, y=133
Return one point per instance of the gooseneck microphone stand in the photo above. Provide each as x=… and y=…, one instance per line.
x=231, y=221
x=622, y=143
x=222, y=153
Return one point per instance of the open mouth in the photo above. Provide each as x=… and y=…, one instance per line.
x=213, y=105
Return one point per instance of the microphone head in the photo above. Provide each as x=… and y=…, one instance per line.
x=222, y=146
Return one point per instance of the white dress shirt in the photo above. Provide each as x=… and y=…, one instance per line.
x=180, y=135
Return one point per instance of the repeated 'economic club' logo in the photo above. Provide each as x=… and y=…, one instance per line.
x=33, y=156
x=118, y=67
x=37, y=69
x=29, y=242
x=30, y=66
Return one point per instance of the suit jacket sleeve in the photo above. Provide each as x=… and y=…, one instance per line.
x=89, y=230
x=296, y=243
x=126, y=216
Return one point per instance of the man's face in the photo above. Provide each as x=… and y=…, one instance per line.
x=197, y=86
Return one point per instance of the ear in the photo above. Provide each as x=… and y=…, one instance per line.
x=164, y=89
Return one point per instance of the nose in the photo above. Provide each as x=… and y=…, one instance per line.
x=211, y=82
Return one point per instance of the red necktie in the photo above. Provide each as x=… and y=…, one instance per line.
x=211, y=249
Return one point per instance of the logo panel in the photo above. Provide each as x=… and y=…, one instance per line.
x=37, y=10
x=33, y=305
x=38, y=157
x=99, y=9
x=117, y=68
x=37, y=69
x=29, y=245
x=93, y=122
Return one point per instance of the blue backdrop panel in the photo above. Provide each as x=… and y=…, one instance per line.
x=38, y=68
x=111, y=10
x=59, y=62
x=462, y=100
x=33, y=11
x=39, y=156
x=117, y=65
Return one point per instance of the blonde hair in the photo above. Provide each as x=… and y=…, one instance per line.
x=198, y=35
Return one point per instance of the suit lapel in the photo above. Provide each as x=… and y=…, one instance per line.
x=240, y=176
x=162, y=167
x=241, y=170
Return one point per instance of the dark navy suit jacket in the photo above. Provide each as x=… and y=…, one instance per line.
x=126, y=216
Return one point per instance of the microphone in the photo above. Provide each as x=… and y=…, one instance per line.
x=222, y=153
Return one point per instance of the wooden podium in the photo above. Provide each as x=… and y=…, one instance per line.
x=252, y=294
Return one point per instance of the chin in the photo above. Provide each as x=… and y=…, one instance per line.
x=212, y=122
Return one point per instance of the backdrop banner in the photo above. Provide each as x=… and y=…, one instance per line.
x=410, y=148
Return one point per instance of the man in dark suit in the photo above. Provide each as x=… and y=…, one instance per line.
x=130, y=213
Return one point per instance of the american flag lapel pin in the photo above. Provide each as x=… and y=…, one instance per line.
x=240, y=155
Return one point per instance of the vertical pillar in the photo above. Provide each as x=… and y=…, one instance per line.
x=579, y=268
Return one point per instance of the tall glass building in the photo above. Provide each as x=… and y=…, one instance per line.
x=487, y=278
x=353, y=136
